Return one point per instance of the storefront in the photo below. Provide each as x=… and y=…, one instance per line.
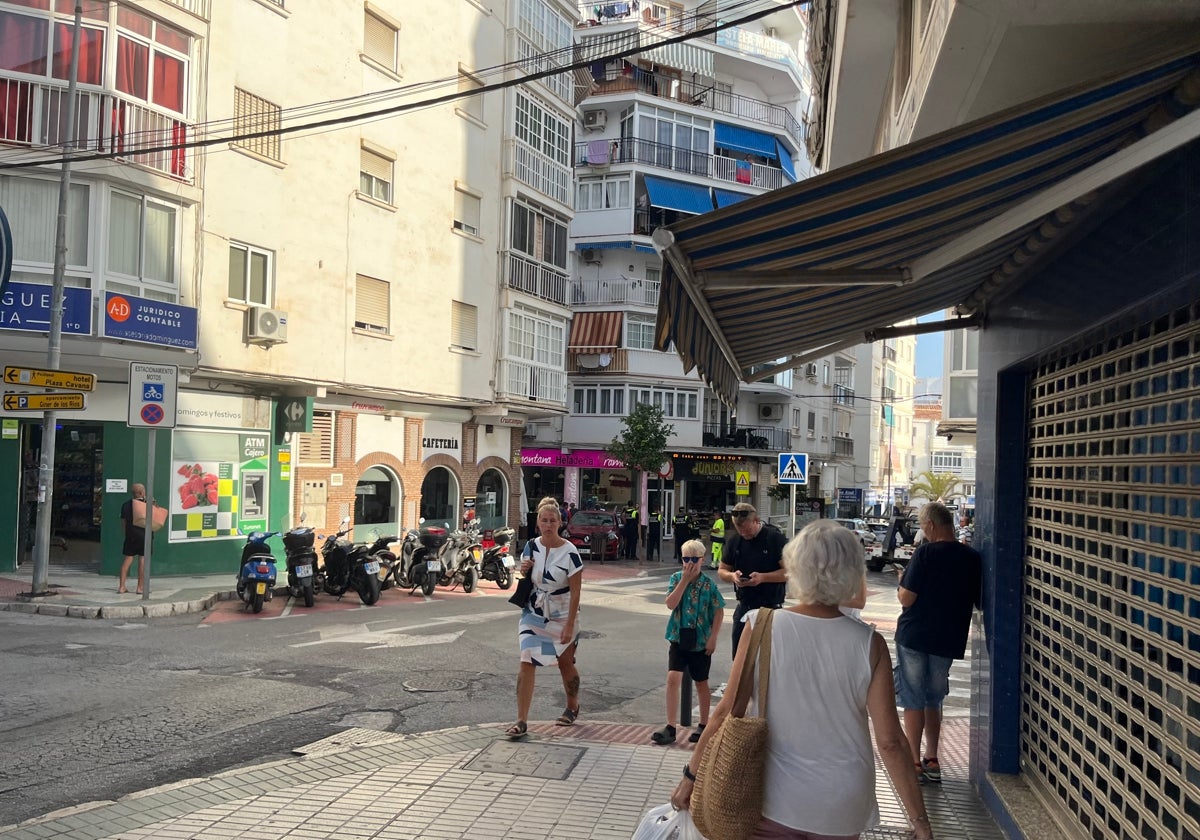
x=709, y=482
x=584, y=477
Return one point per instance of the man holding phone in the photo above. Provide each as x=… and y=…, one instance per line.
x=752, y=560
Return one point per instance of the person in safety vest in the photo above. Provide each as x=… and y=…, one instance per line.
x=631, y=531
x=717, y=534
x=654, y=534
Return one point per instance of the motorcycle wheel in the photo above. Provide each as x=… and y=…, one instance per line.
x=470, y=579
x=429, y=583
x=306, y=589
x=504, y=578
x=369, y=590
x=256, y=602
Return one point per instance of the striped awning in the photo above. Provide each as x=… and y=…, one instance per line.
x=682, y=56
x=737, y=138
x=677, y=195
x=726, y=197
x=592, y=331
x=944, y=222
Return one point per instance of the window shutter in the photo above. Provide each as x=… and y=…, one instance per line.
x=466, y=212
x=464, y=325
x=372, y=309
x=379, y=42
x=316, y=448
x=253, y=114
x=377, y=166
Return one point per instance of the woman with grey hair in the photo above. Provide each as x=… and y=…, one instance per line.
x=830, y=674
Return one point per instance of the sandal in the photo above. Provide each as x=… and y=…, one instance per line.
x=567, y=718
x=517, y=731
x=931, y=771
x=664, y=736
x=694, y=738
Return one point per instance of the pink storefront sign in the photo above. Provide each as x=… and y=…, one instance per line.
x=589, y=459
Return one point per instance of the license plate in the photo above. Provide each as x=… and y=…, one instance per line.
x=304, y=571
x=509, y=562
x=371, y=568
x=477, y=554
x=261, y=588
x=434, y=565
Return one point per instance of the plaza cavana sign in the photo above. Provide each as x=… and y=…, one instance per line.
x=589, y=459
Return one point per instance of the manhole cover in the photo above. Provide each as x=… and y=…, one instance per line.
x=434, y=684
x=542, y=761
x=590, y=634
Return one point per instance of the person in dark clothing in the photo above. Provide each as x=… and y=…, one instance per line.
x=135, y=540
x=940, y=587
x=752, y=560
x=631, y=531
x=653, y=534
x=684, y=530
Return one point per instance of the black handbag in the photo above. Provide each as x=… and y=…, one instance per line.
x=522, y=594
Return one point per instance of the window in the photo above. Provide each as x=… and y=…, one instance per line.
x=543, y=130
x=673, y=402
x=639, y=332
x=603, y=193
x=466, y=212
x=251, y=274
x=472, y=106
x=812, y=425
x=375, y=175
x=251, y=115
x=947, y=461
x=600, y=400
x=142, y=242
x=673, y=140
x=539, y=234
x=316, y=448
x=372, y=304
x=534, y=337
x=464, y=326
x=825, y=380
x=379, y=42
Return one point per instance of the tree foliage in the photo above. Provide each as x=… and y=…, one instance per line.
x=642, y=443
x=937, y=487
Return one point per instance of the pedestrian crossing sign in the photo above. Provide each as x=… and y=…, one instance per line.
x=742, y=481
x=793, y=468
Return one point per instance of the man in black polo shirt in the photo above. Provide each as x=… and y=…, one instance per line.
x=752, y=561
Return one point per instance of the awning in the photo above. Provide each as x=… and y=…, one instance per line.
x=947, y=221
x=683, y=56
x=726, y=197
x=738, y=139
x=785, y=161
x=611, y=245
x=676, y=195
x=591, y=331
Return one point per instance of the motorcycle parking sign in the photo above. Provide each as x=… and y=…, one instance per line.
x=153, y=392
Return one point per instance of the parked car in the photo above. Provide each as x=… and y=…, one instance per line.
x=859, y=526
x=604, y=524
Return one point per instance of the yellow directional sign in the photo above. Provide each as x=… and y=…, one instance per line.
x=43, y=402
x=743, y=483
x=64, y=379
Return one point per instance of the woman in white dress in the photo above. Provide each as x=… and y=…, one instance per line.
x=548, y=633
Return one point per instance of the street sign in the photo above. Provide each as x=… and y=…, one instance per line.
x=63, y=379
x=741, y=482
x=793, y=468
x=43, y=402
x=294, y=414
x=152, y=395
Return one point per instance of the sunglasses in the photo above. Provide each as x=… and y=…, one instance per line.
x=740, y=514
x=689, y=559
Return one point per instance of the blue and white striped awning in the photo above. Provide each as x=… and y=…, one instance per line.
x=726, y=197
x=739, y=139
x=939, y=223
x=785, y=161
x=677, y=195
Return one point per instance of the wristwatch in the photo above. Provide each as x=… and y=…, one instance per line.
x=688, y=774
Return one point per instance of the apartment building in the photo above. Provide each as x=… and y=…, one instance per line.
x=885, y=376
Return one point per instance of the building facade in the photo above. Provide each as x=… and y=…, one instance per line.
x=886, y=375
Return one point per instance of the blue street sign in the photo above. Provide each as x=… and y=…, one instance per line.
x=793, y=468
x=150, y=321
x=26, y=306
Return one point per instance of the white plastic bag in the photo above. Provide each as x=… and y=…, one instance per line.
x=665, y=823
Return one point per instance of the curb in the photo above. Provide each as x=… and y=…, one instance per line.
x=158, y=609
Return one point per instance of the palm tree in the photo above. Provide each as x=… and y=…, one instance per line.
x=937, y=487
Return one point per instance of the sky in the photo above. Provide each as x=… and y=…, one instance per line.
x=929, y=348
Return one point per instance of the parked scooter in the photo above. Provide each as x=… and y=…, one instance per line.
x=497, y=562
x=460, y=559
x=256, y=576
x=301, y=559
x=380, y=550
x=346, y=565
x=419, y=563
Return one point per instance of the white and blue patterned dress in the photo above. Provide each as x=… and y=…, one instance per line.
x=543, y=620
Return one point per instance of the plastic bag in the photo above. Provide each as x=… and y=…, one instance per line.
x=665, y=823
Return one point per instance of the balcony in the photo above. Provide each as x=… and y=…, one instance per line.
x=701, y=95
x=35, y=115
x=536, y=383
x=200, y=8
x=677, y=159
x=538, y=279
x=746, y=437
x=843, y=396
x=617, y=290
x=538, y=172
x=618, y=362
x=843, y=447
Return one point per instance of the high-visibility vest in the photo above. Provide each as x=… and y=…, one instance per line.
x=717, y=531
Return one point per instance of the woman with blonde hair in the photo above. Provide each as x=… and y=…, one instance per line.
x=548, y=633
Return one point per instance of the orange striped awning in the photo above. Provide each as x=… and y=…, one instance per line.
x=592, y=331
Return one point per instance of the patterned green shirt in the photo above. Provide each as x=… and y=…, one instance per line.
x=697, y=608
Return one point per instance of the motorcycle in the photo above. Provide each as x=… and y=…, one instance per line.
x=347, y=565
x=497, y=562
x=380, y=550
x=460, y=558
x=256, y=576
x=301, y=560
x=420, y=564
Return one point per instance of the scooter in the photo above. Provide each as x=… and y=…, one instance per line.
x=256, y=577
x=380, y=550
x=497, y=562
x=346, y=565
x=460, y=558
x=420, y=565
x=301, y=560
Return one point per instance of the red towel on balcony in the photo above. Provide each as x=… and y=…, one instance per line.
x=745, y=172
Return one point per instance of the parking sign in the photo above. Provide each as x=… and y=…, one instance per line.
x=152, y=392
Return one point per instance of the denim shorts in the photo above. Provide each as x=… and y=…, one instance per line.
x=924, y=679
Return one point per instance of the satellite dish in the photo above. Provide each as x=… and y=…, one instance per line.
x=605, y=360
x=590, y=360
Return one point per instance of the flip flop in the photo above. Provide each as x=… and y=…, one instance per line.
x=517, y=731
x=567, y=718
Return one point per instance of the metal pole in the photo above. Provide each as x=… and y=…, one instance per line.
x=685, y=699
x=41, y=547
x=792, y=533
x=146, y=548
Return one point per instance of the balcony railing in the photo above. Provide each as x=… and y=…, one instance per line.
x=678, y=159
x=843, y=396
x=618, y=362
x=200, y=8
x=536, y=170
x=525, y=381
x=701, y=95
x=747, y=437
x=35, y=114
x=843, y=447
x=615, y=290
x=537, y=279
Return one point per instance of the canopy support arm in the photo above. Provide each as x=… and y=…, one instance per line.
x=792, y=278
x=880, y=333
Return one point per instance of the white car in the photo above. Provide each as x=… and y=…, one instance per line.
x=865, y=535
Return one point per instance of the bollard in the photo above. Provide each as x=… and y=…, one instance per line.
x=685, y=699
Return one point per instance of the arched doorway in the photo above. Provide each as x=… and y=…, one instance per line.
x=377, y=498
x=491, y=500
x=441, y=501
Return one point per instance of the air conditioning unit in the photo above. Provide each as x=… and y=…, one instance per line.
x=266, y=326
x=810, y=370
x=770, y=412
x=590, y=255
x=595, y=120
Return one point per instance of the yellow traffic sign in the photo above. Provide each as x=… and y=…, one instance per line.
x=64, y=379
x=43, y=402
x=742, y=483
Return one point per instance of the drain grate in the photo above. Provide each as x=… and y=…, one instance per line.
x=541, y=761
x=434, y=684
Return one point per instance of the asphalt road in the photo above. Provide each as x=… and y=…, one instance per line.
x=99, y=709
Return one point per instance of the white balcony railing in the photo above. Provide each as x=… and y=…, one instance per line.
x=615, y=290
x=539, y=172
x=537, y=279
x=726, y=169
x=526, y=381
x=35, y=114
x=200, y=8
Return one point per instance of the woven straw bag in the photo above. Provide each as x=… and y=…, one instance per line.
x=728, y=795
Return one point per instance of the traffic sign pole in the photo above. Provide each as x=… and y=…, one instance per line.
x=148, y=546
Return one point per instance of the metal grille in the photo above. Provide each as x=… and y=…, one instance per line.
x=1110, y=715
x=253, y=115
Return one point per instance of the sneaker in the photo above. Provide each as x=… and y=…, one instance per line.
x=931, y=771
x=664, y=736
x=696, y=733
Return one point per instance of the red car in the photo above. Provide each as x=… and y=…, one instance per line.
x=602, y=524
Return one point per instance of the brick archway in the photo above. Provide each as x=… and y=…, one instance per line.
x=455, y=468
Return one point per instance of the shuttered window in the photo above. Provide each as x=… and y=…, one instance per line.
x=472, y=105
x=372, y=308
x=316, y=448
x=375, y=176
x=466, y=212
x=464, y=326
x=251, y=115
x=379, y=41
